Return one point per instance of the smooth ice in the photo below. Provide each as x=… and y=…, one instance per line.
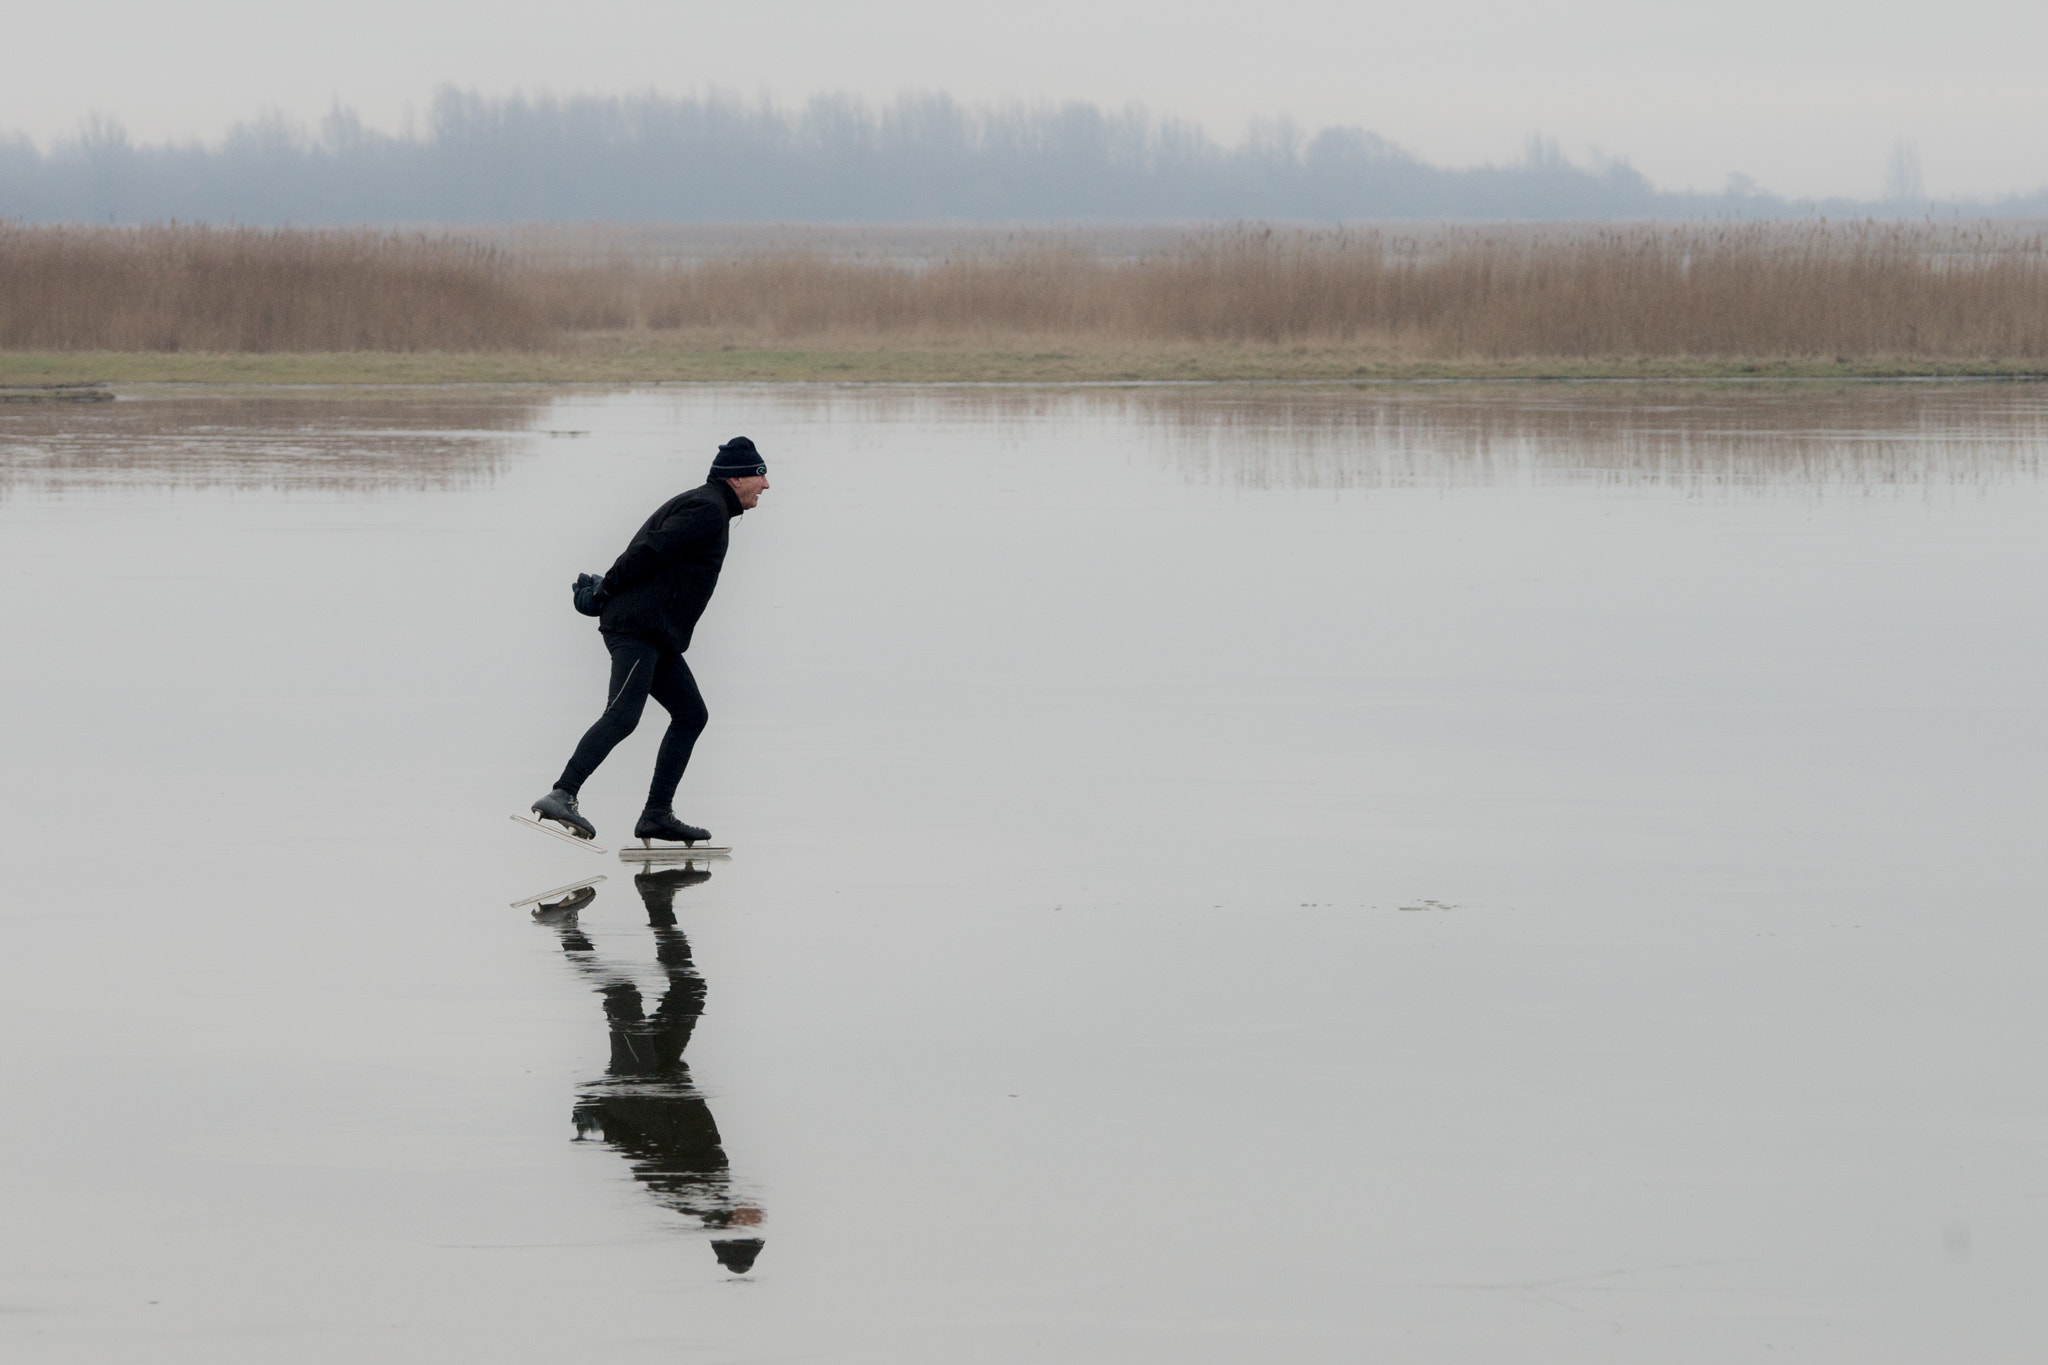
x=1537, y=874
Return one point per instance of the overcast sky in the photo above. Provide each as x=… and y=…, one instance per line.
x=1806, y=96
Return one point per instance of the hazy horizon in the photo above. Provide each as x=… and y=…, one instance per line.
x=1807, y=98
x=841, y=159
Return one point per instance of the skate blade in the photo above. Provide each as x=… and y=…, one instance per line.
x=558, y=891
x=675, y=853
x=558, y=832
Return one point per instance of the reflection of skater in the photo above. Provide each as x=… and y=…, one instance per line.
x=646, y=1105
x=647, y=606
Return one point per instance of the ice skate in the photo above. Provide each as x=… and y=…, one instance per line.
x=556, y=814
x=662, y=824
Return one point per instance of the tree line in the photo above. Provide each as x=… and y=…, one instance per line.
x=717, y=158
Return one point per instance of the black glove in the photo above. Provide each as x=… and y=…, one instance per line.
x=589, y=594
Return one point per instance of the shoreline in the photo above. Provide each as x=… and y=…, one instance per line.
x=899, y=365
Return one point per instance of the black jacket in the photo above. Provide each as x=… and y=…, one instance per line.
x=657, y=589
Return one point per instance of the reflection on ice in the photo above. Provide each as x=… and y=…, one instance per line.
x=1844, y=435
x=1693, y=436
x=562, y=897
x=646, y=1106
x=336, y=441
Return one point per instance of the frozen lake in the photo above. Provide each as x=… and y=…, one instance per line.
x=1535, y=874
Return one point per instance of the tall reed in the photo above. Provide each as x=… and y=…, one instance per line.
x=1805, y=289
x=173, y=288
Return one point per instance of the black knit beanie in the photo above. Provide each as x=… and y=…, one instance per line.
x=737, y=459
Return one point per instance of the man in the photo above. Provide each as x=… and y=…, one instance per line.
x=648, y=604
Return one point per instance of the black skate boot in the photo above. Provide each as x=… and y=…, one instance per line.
x=560, y=807
x=662, y=824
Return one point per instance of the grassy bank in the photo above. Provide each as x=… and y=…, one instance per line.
x=952, y=365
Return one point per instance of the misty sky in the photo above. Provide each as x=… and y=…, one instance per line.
x=1806, y=96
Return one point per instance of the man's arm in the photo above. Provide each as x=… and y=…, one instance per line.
x=689, y=527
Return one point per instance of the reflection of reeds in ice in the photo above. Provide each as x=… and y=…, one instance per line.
x=1793, y=290
x=1843, y=437
x=355, y=443
x=1695, y=436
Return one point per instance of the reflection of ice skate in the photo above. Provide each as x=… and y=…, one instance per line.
x=658, y=891
x=561, y=915
x=587, y=884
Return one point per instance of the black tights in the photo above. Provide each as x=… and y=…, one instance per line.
x=641, y=670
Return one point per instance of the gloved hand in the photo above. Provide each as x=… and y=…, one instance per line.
x=589, y=594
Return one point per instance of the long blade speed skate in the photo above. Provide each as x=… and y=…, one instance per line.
x=674, y=853
x=558, y=833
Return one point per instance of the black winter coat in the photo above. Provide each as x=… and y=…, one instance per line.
x=657, y=589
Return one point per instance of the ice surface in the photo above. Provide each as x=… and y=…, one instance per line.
x=1531, y=874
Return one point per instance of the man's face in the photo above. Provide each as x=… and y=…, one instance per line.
x=749, y=489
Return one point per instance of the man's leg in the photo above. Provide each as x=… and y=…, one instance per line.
x=635, y=663
x=676, y=690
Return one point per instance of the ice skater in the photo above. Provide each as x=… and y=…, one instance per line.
x=647, y=606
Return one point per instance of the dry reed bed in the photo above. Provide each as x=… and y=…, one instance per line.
x=175, y=288
x=1852, y=290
